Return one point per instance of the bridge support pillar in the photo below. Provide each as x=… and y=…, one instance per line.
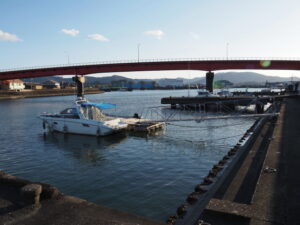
x=209, y=81
x=79, y=80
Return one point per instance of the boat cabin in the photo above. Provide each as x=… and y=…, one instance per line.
x=70, y=113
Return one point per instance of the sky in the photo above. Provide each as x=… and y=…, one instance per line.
x=51, y=32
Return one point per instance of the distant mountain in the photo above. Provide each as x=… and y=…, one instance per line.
x=89, y=79
x=43, y=79
x=240, y=78
x=105, y=80
x=249, y=77
x=234, y=77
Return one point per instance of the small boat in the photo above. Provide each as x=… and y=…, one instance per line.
x=84, y=117
x=225, y=93
x=205, y=94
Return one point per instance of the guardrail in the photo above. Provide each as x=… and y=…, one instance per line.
x=151, y=60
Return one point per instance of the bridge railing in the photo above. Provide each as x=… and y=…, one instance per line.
x=151, y=60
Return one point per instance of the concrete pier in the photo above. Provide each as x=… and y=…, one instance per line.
x=264, y=189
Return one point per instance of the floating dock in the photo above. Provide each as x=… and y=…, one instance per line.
x=240, y=100
x=147, y=127
x=143, y=125
x=228, y=102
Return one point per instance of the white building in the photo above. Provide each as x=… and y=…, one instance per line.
x=12, y=85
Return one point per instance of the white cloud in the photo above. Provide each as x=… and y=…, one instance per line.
x=158, y=34
x=72, y=32
x=194, y=35
x=4, y=36
x=97, y=37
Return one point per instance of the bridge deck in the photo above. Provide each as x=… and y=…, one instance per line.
x=154, y=65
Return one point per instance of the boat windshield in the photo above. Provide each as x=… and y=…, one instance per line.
x=90, y=112
x=70, y=113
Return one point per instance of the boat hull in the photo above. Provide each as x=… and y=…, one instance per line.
x=85, y=127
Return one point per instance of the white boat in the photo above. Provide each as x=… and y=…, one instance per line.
x=84, y=117
x=225, y=93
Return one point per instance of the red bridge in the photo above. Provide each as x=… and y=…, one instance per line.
x=204, y=65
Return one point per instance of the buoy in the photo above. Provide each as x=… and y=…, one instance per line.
x=171, y=220
x=231, y=153
x=222, y=162
x=217, y=167
x=225, y=157
x=207, y=181
x=181, y=210
x=192, y=198
x=212, y=173
x=199, y=189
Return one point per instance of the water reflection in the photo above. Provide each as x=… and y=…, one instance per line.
x=85, y=148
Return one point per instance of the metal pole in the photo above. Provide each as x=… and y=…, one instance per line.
x=227, y=49
x=138, y=48
x=68, y=57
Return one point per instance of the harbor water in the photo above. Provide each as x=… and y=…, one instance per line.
x=141, y=174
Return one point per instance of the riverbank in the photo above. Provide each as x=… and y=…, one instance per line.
x=4, y=95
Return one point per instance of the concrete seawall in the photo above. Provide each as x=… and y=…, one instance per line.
x=264, y=189
x=43, y=93
x=23, y=202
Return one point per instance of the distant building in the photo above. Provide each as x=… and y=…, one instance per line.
x=141, y=85
x=170, y=82
x=133, y=84
x=12, y=85
x=33, y=86
x=51, y=84
x=280, y=85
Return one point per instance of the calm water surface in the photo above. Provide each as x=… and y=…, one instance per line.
x=146, y=175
